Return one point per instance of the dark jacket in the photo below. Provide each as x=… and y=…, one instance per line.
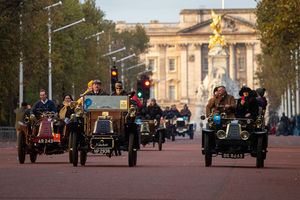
x=123, y=93
x=39, y=107
x=153, y=112
x=176, y=113
x=262, y=102
x=250, y=106
x=101, y=92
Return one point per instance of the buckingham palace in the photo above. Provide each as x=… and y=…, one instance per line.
x=178, y=52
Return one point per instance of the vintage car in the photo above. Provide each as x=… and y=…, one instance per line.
x=233, y=138
x=46, y=135
x=106, y=125
x=152, y=132
x=184, y=127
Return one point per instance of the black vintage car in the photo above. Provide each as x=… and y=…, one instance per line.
x=106, y=125
x=234, y=138
x=152, y=132
x=183, y=127
x=46, y=134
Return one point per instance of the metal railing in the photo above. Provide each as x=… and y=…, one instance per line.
x=8, y=133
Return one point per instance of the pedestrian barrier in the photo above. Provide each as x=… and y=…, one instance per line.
x=8, y=133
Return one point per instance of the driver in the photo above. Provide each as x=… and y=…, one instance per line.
x=42, y=105
x=222, y=102
x=96, y=89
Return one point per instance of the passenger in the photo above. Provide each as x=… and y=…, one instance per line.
x=222, y=102
x=65, y=110
x=79, y=101
x=211, y=102
x=42, y=105
x=166, y=111
x=262, y=101
x=153, y=110
x=175, y=111
x=247, y=106
x=119, y=90
x=185, y=112
x=96, y=89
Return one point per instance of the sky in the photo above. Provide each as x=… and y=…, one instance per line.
x=142, y=11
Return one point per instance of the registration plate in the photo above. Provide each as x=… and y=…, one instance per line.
x=145, y=133
x=233, y=155
x=101, y=151
x=45, y=141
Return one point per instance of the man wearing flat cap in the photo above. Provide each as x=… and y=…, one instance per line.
x=96, y=88
x=153, y=110
x=119, y=91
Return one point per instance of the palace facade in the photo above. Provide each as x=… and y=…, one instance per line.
x=178, y=52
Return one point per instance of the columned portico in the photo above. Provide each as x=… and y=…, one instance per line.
x=184, y=73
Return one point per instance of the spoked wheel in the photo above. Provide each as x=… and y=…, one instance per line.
x=160, y=141
x=70, y=148
x=33, y=156
x=74, y=149
x=132, y=154
x=259, y=154
x=208, y=156
x=21, y=147
x=83, y=157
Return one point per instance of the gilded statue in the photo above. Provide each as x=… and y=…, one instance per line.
x=216, y=25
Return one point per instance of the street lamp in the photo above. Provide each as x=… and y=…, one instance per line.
x=49, y=44
x=113, y=52
x=122, y=65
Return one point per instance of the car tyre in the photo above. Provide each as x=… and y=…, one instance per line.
x=160, y=141
x=259, y=153
x=74, y=149
x=191, y=134
x=83, y=157
x=21, y=147
x=70, y=148
x=173, y=134
x=33, y=156
x=208, y=155
x=132, y=154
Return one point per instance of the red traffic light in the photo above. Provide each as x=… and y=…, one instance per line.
x=147, y=83
x=114, y=73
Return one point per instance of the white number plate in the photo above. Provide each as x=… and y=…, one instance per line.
x=233, y=155
x=102, y=151
x=45, y=141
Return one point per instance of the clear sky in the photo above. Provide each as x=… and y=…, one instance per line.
x=143, y=11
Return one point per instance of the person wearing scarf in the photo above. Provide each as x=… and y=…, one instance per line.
x=247, y=106
x=65, y=109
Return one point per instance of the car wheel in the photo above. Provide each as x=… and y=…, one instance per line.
x=259, y=153
x=131, y=153
x=83, y=157
x=70, y=148
x=33, y=156
x=173, y=134
x=208, y=156
x=74, y=149
x=21, y=147
x=191, y=134
x=160, y=141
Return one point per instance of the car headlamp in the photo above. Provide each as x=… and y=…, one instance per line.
x=217, y=119
x=244, y=135
x=221, y=134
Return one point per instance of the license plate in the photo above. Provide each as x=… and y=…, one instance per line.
x=145, y=133
x=101, y=151
x=45, y=141
x=233, y=155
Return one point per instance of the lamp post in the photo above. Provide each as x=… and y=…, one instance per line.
x=50, y=61
x=49, y=44
x=122, y=65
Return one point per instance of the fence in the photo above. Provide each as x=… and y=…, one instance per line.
x=8, y=133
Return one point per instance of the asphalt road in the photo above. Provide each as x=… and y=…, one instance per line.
x=177, y=172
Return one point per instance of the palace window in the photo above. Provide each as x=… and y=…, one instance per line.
x=204, y=60
x=171, y=64
x=240, y=57
x=151, y=64
x=172, y=92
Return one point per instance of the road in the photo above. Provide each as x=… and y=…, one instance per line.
x=177, y=172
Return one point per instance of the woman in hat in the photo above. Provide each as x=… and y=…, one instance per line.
x=247, y=106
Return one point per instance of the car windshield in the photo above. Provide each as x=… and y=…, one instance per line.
x=105, y=102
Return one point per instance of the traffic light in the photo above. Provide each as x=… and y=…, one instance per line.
x=146, y=84
x=113, y=77
x=139, y=90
